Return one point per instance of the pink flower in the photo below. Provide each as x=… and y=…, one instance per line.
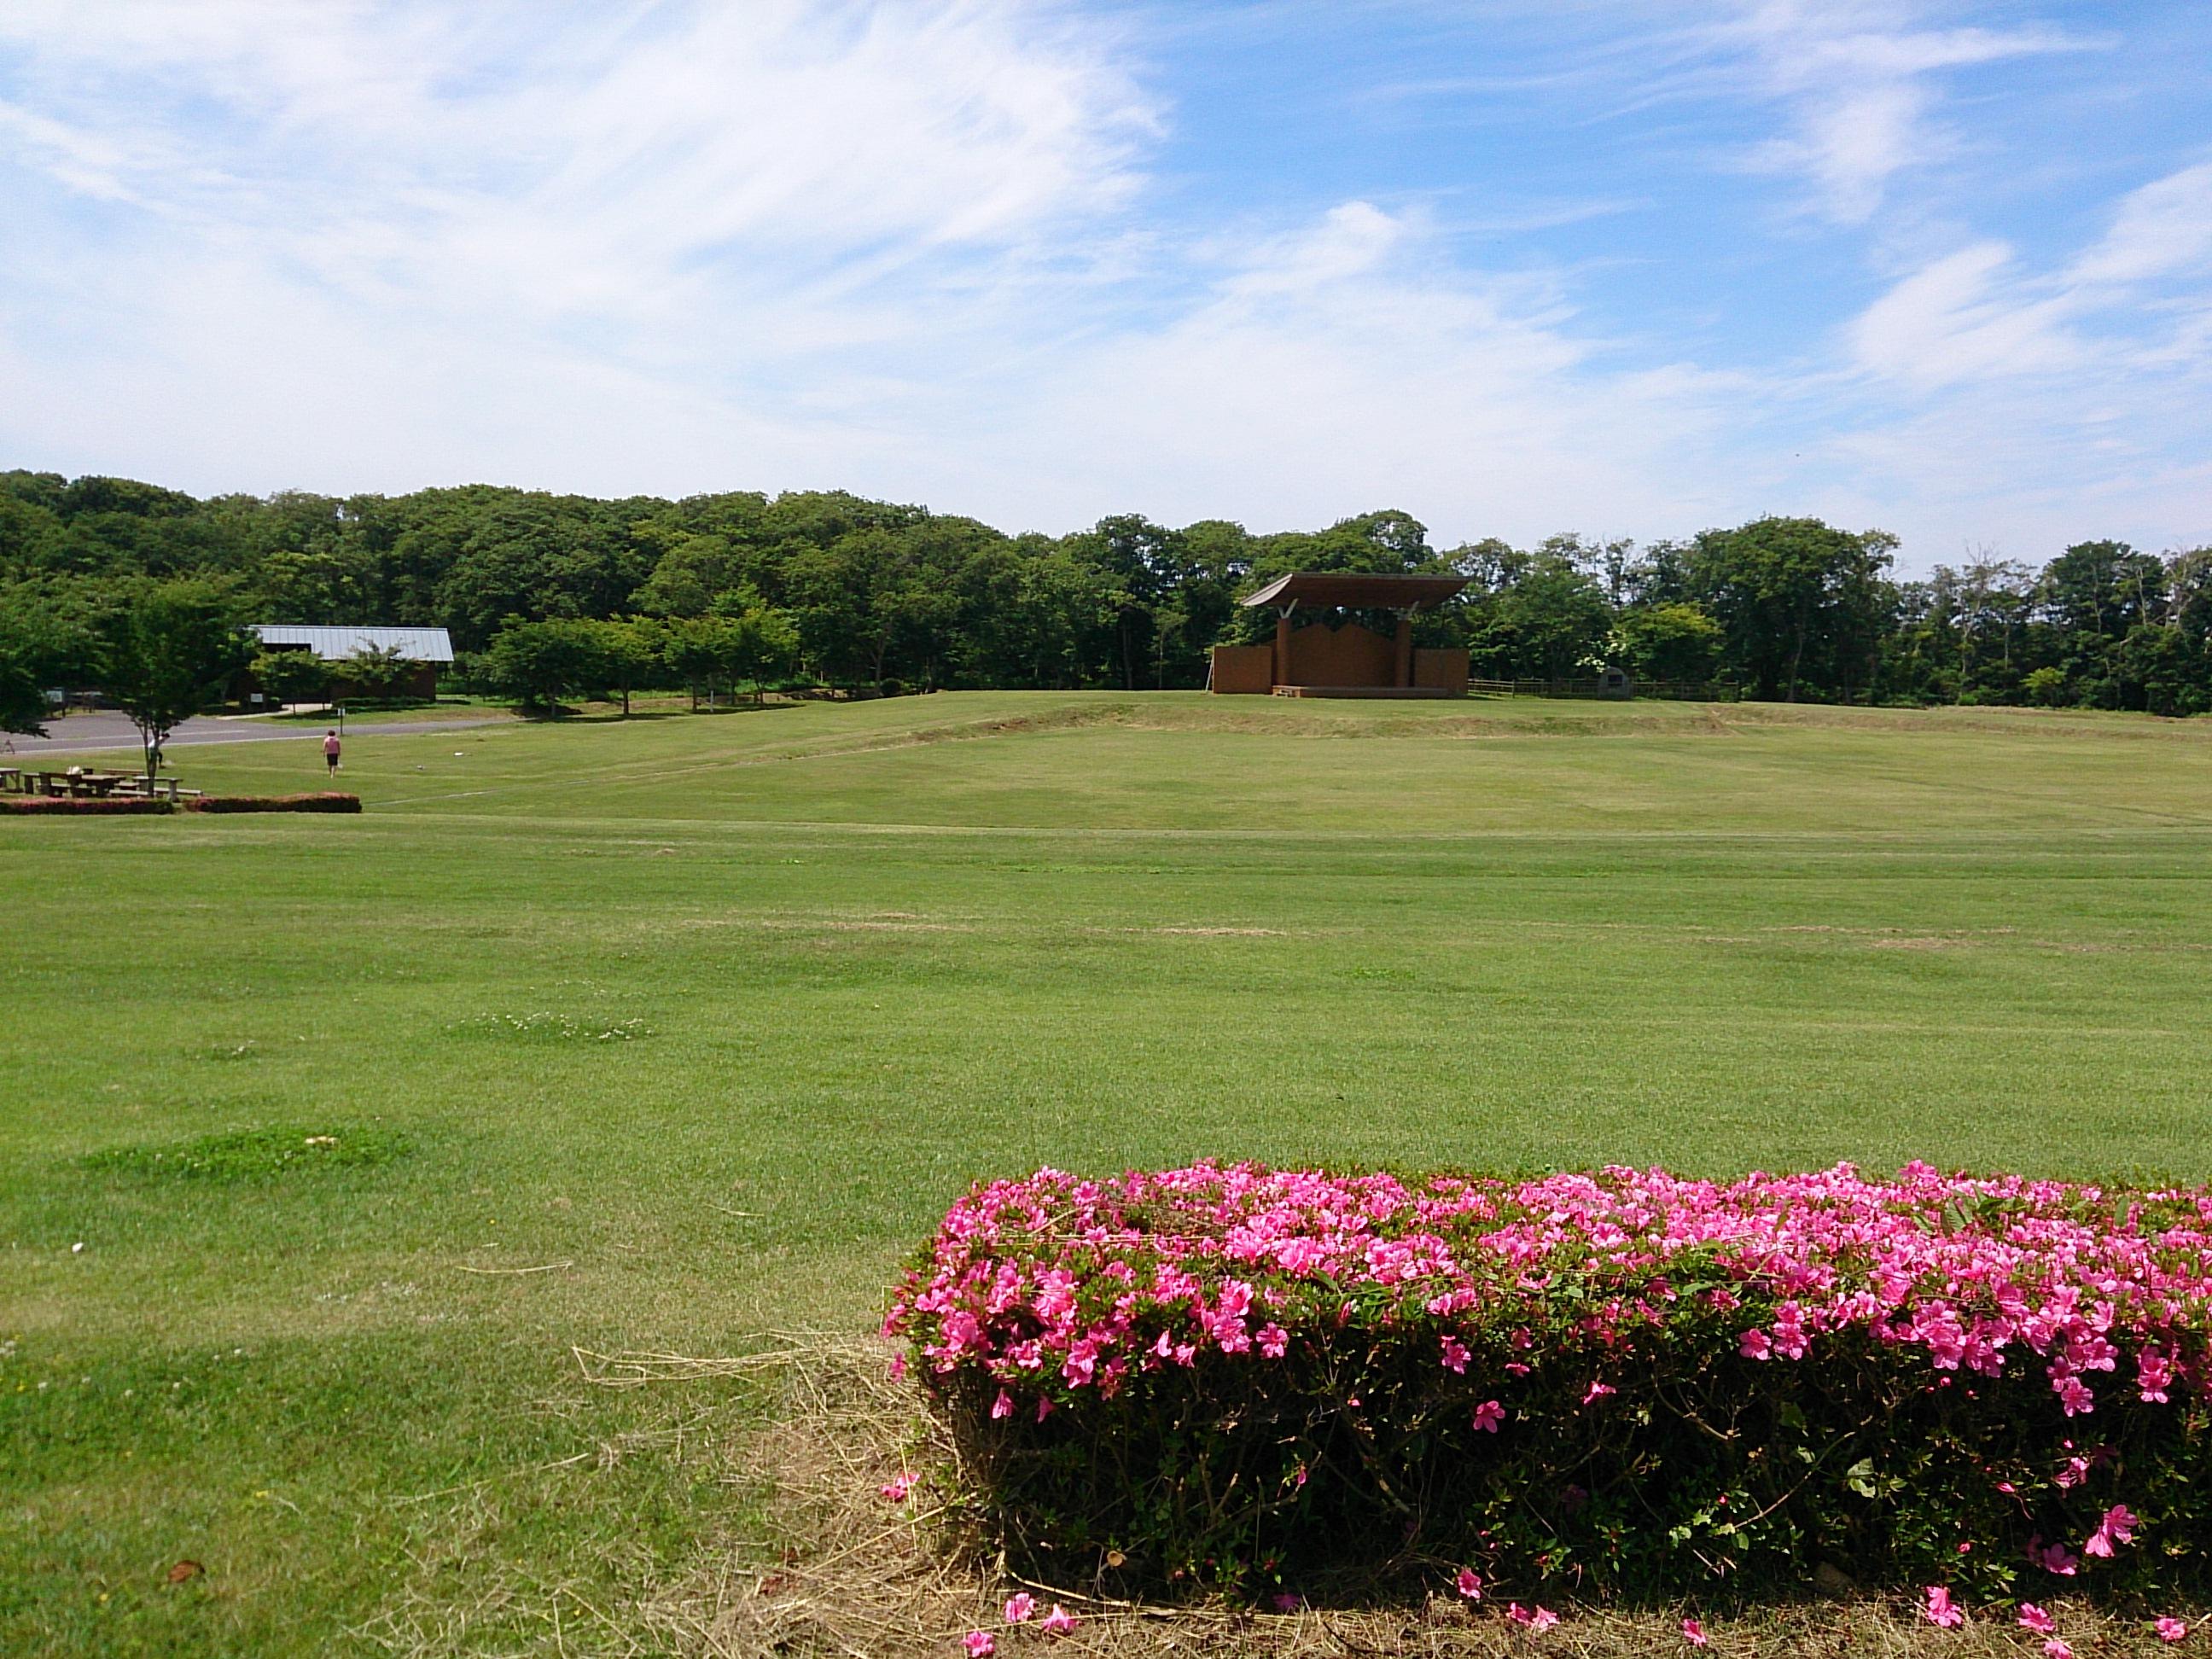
x=1538, y=1620
x=1596, y=1391
x=2032, y=1618
x=1058, y=1622
x=898, y=1486
x=1003, y=1405
x=2118, y=1526
x=1756, y=1344
x=2154, y=1372
x=1044, y=1408
x=1694, y=1632
x=2056, y=1558
x=1456, y=1354
x=1274, y=1340
x=980, y=1644
x=1286, y=1601
x=1019, y=1606
x=2170, y=1629
x=898, y=1366
x=2056, y=1648
x=1488, y=1415
x=1939, y=1610
x=1468, y=1583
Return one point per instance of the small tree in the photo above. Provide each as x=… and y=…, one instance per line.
x=293, y=675
x=1669, y=641
x=540, y=663
x=630, y=648
x=763, y=642
x=700, y=652
x=165, y=651
x=380, y=673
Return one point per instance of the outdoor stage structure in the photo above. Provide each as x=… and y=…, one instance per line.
x=1349, y=660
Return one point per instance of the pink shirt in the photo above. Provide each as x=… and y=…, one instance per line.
x=331, y=745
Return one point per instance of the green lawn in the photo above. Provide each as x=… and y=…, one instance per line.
x=710, y=1016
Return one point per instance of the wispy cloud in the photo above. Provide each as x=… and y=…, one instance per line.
x=1973, y=315
x=2164, y=229
x=575, y=167
x=1859, y=79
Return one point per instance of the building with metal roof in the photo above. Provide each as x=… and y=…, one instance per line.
x=430, y=645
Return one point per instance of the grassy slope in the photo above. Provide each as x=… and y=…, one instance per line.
x=885, y=948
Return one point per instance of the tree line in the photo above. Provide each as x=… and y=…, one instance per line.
x=548, y=595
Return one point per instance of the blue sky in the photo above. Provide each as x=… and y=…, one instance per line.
x=1629, y=269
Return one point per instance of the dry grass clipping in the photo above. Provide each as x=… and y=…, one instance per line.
x=853, y=1574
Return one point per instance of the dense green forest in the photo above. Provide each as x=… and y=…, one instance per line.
x=846, y=591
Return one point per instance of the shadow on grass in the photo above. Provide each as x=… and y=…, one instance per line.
x=569, y=716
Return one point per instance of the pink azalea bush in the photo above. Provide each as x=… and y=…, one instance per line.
x=1616, y=1381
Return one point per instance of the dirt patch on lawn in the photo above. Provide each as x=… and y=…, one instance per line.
x=889, y=922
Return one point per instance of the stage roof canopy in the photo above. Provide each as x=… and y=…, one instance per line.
x=1359, y=592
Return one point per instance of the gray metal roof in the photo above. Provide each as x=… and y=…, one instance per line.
x=336, y=644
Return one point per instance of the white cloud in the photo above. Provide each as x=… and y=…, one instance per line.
x=1351, y=239
x=2050, y=404
x=1855, y=75
x=1959, y=319
x=1971, y=315
x=1350, y=368
x=2162, y=229
x=483, y=168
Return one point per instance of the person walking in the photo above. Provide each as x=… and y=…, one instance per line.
x=331, y=751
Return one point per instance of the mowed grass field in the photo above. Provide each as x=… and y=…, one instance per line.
x=670, y=1034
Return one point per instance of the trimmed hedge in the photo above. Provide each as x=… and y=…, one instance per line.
x=320, y=800
x=81, y=807
x=1610, y=1384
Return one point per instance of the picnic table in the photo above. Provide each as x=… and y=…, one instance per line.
x=20, y=780
x=100, y=784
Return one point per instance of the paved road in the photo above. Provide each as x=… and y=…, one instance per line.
x=102, y=729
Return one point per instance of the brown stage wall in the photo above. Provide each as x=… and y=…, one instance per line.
x=1244, y=669
x=1350, y=655
x=1441, y=670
